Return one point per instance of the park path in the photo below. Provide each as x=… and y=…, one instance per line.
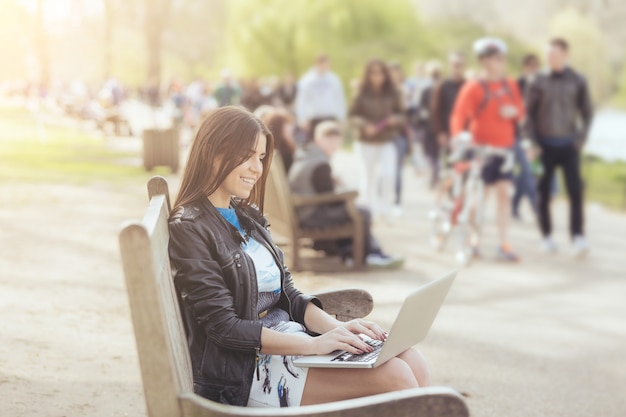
x=545, y=337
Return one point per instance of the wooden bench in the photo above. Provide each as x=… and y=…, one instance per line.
x=164, y=355
x=280, y=209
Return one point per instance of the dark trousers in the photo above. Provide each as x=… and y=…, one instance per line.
x=337, y=215
x=402, y=145
x=525, y=181
x=568, y=158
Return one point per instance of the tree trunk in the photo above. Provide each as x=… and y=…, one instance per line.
x=108, y=38
x=156, y=13
x=42, y=47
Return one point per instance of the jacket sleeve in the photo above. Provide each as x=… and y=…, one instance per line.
x=357, y=118
x=322, y=179
x=532, y=98
x=464, y=108
x=585, y=106
x=205, y=293
x=437, y=119
x=518, y=100
x=398, y=108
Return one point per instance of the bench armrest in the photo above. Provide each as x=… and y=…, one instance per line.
x=417, y=402
x=347, y=304
x=326, y=198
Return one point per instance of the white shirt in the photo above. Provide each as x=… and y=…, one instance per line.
x=320, y=95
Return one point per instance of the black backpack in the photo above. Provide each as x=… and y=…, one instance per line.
x=488, y=95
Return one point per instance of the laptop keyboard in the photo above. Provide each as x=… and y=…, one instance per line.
x=364, y=357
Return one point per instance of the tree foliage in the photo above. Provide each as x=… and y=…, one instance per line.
x=131, y=39
x=589, y=52
x=277, y=36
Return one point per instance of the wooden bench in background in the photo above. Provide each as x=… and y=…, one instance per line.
x=162, y=345
x=280, y=209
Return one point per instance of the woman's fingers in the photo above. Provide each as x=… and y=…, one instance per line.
x=343, y=338
x=370, y=329
x=354, y=340
x=380, y=333
x=357, y=344
x=349, y=348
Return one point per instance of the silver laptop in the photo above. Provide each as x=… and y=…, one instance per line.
x=410, y=327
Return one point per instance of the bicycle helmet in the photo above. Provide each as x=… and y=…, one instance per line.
x=485, y=47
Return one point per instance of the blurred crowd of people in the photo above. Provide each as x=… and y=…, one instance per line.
x=543, y=117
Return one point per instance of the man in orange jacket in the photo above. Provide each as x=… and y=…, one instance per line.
x=490, y=107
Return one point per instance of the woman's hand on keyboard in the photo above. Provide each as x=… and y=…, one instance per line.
x=368, y=328
x=338, y=338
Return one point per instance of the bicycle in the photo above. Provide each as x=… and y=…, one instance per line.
x=464, y=190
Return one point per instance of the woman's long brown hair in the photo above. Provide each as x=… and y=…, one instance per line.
x=276, y=123
x=226, y=139
x=366, y=85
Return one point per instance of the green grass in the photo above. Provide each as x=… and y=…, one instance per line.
x=34, y=152
x=605, y=182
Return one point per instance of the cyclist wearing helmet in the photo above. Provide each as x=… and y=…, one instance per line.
x=489, y=108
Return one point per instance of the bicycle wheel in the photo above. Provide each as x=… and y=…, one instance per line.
x=440, y=228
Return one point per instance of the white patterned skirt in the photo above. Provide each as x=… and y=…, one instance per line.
x=278, y=382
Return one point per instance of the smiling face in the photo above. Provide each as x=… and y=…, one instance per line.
x=241, y=180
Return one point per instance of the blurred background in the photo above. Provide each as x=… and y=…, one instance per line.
x=52, y=41
x=86, y=57
x=82, y=81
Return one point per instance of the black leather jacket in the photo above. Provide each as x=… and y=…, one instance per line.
x=217, y=287
x=558, y=106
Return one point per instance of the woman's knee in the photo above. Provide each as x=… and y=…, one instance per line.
x=396, y=375
x=418, y=365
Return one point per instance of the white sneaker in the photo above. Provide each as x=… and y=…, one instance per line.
x=397, y=211
x=580, y=246
x=548, y=245
x=383, y=261
x=462, y=257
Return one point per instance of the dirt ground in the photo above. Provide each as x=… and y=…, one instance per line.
x=543, y=338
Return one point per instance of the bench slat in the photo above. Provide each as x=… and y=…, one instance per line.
x=347, y=304
x=161, y=342
x=418, y=402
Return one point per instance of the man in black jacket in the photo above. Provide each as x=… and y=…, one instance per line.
x=560, y=111
x=444, y=97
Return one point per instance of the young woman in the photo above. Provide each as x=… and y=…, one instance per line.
x=378, y=111
x=282, y=127
x=244, y=318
